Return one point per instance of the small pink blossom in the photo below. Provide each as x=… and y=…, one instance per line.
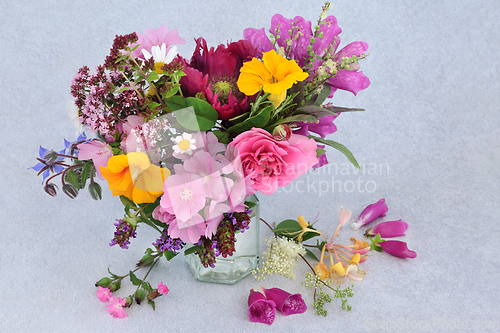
x=97, y=151
x=162, y=289
x=115, y=308
x=370, y=213
x=103, y=294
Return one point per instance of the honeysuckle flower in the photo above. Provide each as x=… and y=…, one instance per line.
x=388, y=229
x=370, y=213
x=184, y=144
x=260, y=309
x=338, y=268
x=134, y=176
x=103, y=294
x=355, y=259
x=285, y=302
x=160, y=56
x=322, y=271
x=275, y=74
x=351, y=271
x=115, y=308
x=97, y=151
x=163, y=289
x=397, y=248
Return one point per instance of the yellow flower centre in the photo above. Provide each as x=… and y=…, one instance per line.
x=158, y=66
x=184, y=144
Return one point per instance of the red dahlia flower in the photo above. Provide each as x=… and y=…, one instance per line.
x=213, y=74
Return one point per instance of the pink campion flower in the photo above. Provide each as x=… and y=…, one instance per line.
x=260, y=309
x=188, y=234
x=104, y=294
x=273, y=163
x=397, y=248
x=285, y=302
x=388, y=229
x=115, y=308
x=183, y=196
x=155, y=37
x=97, y=151
x=163, y=289
x=370, y=213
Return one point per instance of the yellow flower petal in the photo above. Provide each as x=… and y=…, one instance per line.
x=339, y=268
x=355, y=259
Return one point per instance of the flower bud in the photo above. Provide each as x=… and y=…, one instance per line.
x=115, y=286
x=370, y=213
x=129, y=302
x=95, y=191
x=152, y=295
x=282, y=132
x=147, y=259
x=50, y=156
x=388, y=229
x=104, y=282
x=397, y=248
x=70, y=190
x=50, y=188
x=140, y=294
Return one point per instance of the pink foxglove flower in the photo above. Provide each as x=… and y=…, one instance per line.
x=388, y=229
x=103, y=294
x=260, y=309
x=163, y=289
x=370, y=213
x=397, y=248
x=115, y=308
x=286, y=302
x=97, y=151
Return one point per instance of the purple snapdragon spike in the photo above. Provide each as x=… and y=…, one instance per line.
x=260, y=309
x=388, y=229
x=370, y=213
x=397, y=248
x=286, y=302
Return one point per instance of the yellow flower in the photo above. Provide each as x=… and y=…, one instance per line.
x=321, y=271
x=134, y=176
x=275, y=75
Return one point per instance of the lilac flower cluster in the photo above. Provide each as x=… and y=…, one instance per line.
x=124, y=231
x=167, y=243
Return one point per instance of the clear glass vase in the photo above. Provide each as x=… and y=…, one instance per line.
x=232, y=269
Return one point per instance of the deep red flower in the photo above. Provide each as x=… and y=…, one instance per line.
x=213, y=73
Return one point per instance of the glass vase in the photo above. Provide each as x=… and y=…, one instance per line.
x=245, y=258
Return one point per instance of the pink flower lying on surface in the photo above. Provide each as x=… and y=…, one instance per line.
x=388, y=229
x=163, y=289
x=397, y=248
x=286, y=302
x=260, y=309
x=103, y=294
x=370, y=213
x=115, y=308
x=273, y=163
x=97, y=151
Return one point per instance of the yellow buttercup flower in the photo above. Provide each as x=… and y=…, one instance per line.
x=274, y=75
x=134, y=176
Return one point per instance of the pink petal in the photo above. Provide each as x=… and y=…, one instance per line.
x=260, y=310
x=286, y=302
x=398, y=249
x=350, y=81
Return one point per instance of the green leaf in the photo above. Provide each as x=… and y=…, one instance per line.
x=135, y=281
x=288, y=228
x=223, y=137
x=311, y=254
x=338, y=109
x=73, y=178
x=260, y=120
x=193, y=249
x=340, y=147
x=192, y=113
x=85, y=173
x=169, y=255
x=306, y=118
x=240, y=118
x=325, y=92
x=126, y=201
x=250, y=204
x=153, y=76
x=152, y=303
x=314, y=110
x=320, y=151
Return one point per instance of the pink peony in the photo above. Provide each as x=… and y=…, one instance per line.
x=272, y=163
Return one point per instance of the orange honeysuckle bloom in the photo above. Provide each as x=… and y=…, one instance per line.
x=321, y=271
x=134, y=176
x=358, y=245
x=275, y=75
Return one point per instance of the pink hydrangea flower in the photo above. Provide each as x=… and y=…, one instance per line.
x=97, y=151
x=260, y=309
x=162, y=289
x=104, y=294
x=370, y=213
x=273, y=163
x=115, y=308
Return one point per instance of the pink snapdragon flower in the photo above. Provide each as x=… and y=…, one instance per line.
x=260, y=309
x=104, y=294
x=163, y=289
x=97, y=151
x=115, y=308
x=388, y=229
x=397, y=248
x=370, y=213
x=285, y=302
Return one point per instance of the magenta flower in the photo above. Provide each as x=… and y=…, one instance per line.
x=370, y=213
x=155, y=37
x=184, y=196
x=260, y=309
x=323, y=127
x=115, y=308
x=397, y=248
x=163, y=289
x=97, y=151
x=103, y=294
x=388, y=229
x=286, y=302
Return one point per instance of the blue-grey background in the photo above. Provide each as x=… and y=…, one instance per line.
x=428, y=143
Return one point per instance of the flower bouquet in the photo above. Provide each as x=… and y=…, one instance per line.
x=185, y=143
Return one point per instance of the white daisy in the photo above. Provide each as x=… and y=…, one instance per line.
x=184, y=144
x=160, y=55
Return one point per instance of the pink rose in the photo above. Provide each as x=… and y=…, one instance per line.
x=273, y=163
